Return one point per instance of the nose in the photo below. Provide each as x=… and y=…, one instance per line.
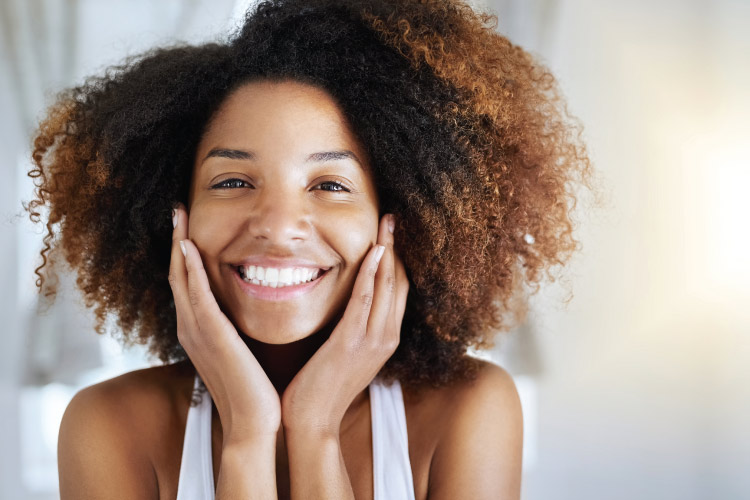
x=280, y=218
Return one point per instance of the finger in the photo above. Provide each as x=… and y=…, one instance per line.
x=178, y=273
x=398, y=303
x=208, y=315
x=354, y=319
x=385, y=282
x=399, y=298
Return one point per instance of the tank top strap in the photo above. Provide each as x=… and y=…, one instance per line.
x=196, y=467
x=392, y=476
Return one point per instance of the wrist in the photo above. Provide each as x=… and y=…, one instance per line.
x=316, y=464
x=247, y=468
x=248, y=443
x=312, y=430
x=311, y=433
x=311, y=449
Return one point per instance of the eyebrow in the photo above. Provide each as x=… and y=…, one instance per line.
x=321, y=156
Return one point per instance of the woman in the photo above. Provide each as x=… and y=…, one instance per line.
x=357, y=191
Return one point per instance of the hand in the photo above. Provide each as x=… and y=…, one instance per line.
x=247, y=402
x=367, y=335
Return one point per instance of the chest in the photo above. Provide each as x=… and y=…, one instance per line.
x=356, y=448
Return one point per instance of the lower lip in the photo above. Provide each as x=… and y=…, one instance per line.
x=276, y=294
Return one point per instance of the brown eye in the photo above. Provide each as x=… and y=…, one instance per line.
x=229, y=184
x=338, y=187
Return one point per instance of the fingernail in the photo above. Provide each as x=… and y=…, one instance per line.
x=379, y=253
x=182, y=247
x=174, y=218
x=391, y=223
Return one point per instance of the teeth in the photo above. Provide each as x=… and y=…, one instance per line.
x=272, y=277
x=285, y=275
x=277, y=278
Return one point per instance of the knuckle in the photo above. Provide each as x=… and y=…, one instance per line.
x=172, y=279
x=390, y=282
x=375, y=349
x=392, y=344
x=366, y=299
x=194, y=296
x=184, y=339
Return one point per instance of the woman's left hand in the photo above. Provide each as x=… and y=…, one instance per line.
x=367, y=335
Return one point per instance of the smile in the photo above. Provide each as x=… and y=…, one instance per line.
x=267, y=292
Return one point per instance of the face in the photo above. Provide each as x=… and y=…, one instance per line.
x=280, y=182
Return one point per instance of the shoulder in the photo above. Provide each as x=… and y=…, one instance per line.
x=479, y=437
x=492, y=389
x=130, y=399
x=108, y=430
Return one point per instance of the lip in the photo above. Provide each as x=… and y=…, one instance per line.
x=277, y=294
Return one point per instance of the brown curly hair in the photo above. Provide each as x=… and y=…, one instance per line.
x=472, y=147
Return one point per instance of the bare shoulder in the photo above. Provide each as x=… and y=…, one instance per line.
x=132, y=399
x=107, y=434
x=478, y=429
x=491, y=389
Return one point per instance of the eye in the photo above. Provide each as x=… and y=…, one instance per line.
x=229, y=184
x=334, y=186
x=338, y=187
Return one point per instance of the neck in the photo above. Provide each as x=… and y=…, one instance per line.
x=282, y=362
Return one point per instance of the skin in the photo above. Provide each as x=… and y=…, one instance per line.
x=288, y=379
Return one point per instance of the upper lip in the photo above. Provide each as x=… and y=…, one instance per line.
x=280, y=263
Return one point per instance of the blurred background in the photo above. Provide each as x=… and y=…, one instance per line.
x=638, y=387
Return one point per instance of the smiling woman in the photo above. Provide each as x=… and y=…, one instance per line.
x=352, y=187
x=269, y=204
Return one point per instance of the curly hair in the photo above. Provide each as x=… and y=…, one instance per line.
x=471, y=145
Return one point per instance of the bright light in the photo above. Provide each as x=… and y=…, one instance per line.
x=717, y=211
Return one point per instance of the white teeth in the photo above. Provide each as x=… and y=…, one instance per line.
x=285, y=275
x=272, y=276
x=277, y=278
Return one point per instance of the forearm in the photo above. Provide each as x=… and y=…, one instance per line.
x=248, y=471
x=316, y=467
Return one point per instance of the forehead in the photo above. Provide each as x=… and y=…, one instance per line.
x=279, y=118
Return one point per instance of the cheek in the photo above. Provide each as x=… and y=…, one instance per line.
x=353, y=241
x=208, y=228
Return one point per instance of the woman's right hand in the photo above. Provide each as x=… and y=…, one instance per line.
x=247, y=402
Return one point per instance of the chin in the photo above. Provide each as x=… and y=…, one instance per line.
x=276, y=338
x=276, y=334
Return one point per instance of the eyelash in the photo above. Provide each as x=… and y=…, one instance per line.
x=222, y=185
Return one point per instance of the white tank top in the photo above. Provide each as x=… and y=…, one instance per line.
x=390, y=447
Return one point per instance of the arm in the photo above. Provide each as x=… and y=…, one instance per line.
x=96, y=454
x=248, y=471
x=479, y=456
x=316, y=466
